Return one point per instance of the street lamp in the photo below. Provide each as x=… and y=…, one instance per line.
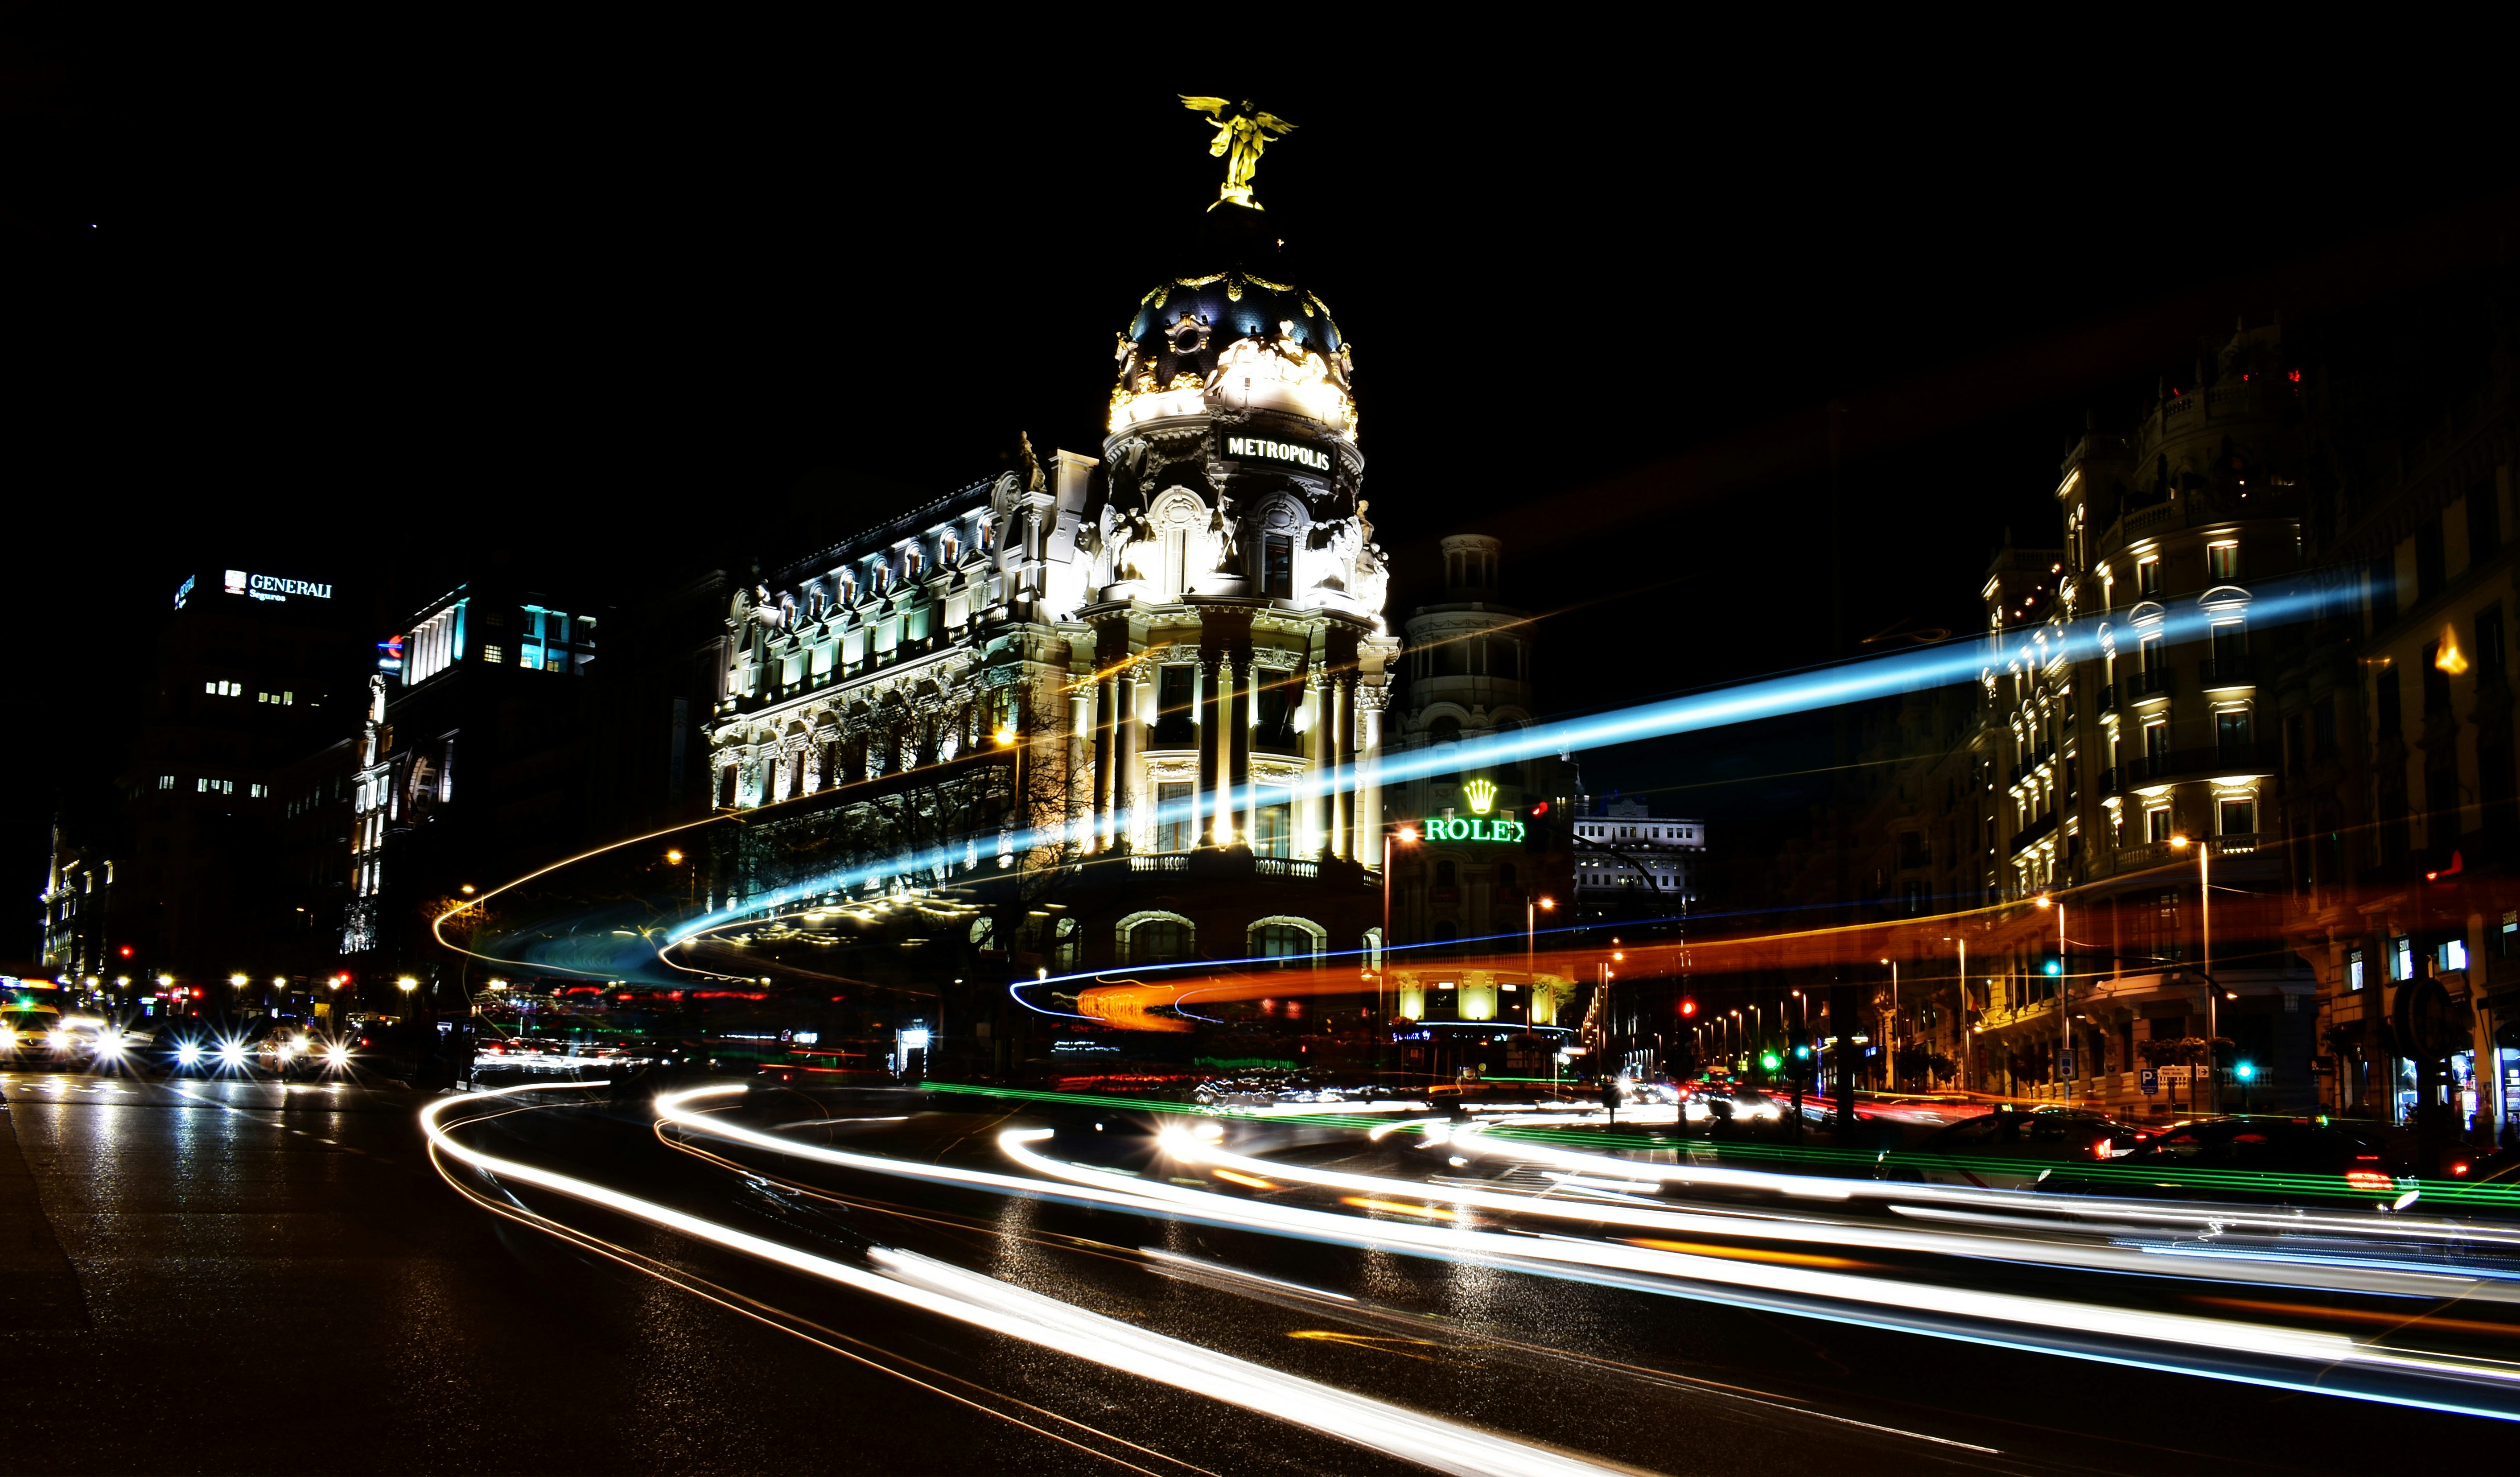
x=2205, y=955
x=1406, y=835
x=2064, y=1018
x=1530, y=955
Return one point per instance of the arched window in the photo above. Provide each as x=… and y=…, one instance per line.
x=1064, y=940
x=1288, y=942
x=1155, y=938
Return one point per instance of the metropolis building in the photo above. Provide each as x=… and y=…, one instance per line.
x=1098, y=710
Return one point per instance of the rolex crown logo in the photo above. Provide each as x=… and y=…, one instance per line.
x=1482, y=795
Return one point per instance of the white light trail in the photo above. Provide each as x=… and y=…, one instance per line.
x=999, y=1307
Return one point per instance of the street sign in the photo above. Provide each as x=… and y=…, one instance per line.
x=2149, y=1080
x=2065, y=1063
x=2177, y=1077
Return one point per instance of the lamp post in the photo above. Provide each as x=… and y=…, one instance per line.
x=1890, y=1033
x=1406, y=834
x=2205, y=956
x=2064, y=1018
x=1530, y=956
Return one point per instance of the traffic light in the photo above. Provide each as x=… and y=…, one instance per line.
x=1687, y=1006
x=2246, y=1071
x=1769, y=1061
x=1799, y=1040
x=2055, y=966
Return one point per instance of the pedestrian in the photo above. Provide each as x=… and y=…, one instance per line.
x=1610, y=1097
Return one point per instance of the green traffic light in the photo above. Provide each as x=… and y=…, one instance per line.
x=2246, y=1071
x=1769, y=1061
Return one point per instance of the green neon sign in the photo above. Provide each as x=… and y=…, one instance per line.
x=1471, y=829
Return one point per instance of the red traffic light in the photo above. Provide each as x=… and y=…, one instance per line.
x=126, y=950
x=1688, y=1008
x=1541, y=809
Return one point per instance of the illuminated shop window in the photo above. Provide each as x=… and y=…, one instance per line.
x=2354, y=970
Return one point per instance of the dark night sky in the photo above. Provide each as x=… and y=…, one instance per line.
x=360, y=304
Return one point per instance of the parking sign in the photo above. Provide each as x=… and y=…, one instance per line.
x=2149, y=1080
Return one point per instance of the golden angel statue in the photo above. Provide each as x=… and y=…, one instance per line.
x=1241, y=132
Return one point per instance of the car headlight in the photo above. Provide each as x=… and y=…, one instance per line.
x=8, y=1038
x=59, y=1040
x=188, y=1054
x=108, y=1044
x=232, y=1054
x=339, y=1056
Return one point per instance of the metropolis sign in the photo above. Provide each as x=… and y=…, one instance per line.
x=1277, y=451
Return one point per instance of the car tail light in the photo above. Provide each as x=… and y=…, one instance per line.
x=2365, y=1179
x=2101, y=1150
x=2458, y=1169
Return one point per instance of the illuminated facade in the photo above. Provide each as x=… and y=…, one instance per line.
x=1141, y=692
x=1634, y=863
x=475, y=745
x=2112, y=772
x=1474, y=877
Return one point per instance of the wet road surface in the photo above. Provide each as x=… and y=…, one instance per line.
x=234, y=1276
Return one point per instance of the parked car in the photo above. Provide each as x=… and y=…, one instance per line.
x=2254, y=1157
x=2006, y=1149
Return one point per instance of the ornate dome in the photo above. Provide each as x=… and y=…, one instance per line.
x=1278, y=341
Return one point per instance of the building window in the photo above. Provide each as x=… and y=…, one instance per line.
x=2239, y=817
x=1157, y=941
x=1175, y=824
x=1277, y=567
x=1273, y=833
x=2506, y=939
x=259, y=792
x=165, y=782
x=2402, y=958
x=2452, y=955
x=2232, y=732
x=1285, y=944
x=2222, y=560
x=2156, y=823
x=2353, y=968
x=2148, y=575
x=494, y=654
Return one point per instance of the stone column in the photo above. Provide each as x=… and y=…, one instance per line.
x=1369, y=789
x=1324, y=752
x=1107, y=691
x=1124, y=760
x=1212, y=669
x=1237, y=744
x=1343, y=704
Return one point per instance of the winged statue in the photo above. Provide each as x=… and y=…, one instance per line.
x=1241, y=132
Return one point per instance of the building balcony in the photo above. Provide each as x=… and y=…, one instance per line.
x=2152, y=684
x=2109, y=697
x=2227, y=671
x=2031, y=834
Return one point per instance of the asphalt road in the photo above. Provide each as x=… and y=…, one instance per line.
x=232, y=1276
